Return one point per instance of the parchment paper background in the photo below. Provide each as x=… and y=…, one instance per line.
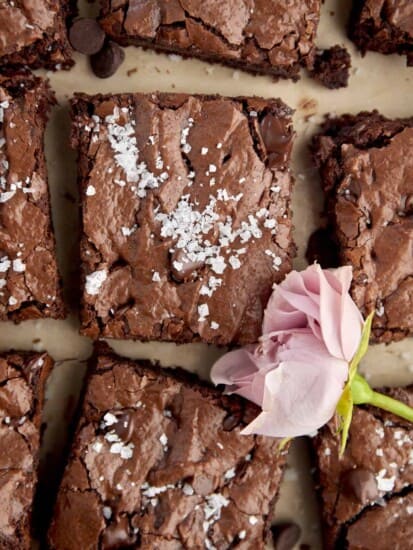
x=377, y=82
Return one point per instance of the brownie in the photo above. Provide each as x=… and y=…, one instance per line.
x=367, y=495
x=384, y=26
x=34, y=34
x=332, y=67
x=366, y=167
x=158, y=461
x=23, y=378
x=273, y=37
x=186, y=214
x=29, y=280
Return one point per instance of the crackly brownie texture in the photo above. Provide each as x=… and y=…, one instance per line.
x=367, y=495
x=332, y=67
x=186, y=214
x=33, y=34
x=29, y=279
x=385, y=26
x=159, y=462
x=274, y=37
x=366, y=167
x=22, y=383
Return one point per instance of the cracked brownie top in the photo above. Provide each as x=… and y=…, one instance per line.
x=22, y=384
x=29, y=279
x=158, y=462
x=367, y=496
x=186, y=214
x=34, y=34
x=366, y=167
x=264, y=36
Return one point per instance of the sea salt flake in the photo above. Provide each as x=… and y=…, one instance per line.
x=97, y=446
x=204, y=151
x=156, y=278
x=90, y=191
x=188, y=490
x=94, y=281
x=214, y=325
x=229, y=474
x=253, y=520
x=203, y=311
x=107, y=512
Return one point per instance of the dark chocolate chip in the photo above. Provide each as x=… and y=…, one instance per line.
x=118, y=535
x=285, y=535
x=408, y=205
x=277, y=137
x=322, y=249
x=125, y=426
x=108, y=60
x=187, y=269
x=86, y=36
x=231, y=421
x=360, y=484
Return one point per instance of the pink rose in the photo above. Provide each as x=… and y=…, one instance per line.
x=297, y=372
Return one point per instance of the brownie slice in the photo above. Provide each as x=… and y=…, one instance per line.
x=366, y=167
x=384, y=26
x=158, y=461
x=273, y=37
x=29, y=279
x=23, y=378
x=34, y=34
x=186, y=214
x=367, y=496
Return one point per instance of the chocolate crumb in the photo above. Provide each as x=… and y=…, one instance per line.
x=332, y=67
x=130, y=72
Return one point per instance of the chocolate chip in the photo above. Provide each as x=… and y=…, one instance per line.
x=86, y=36
x=285, y=535
x=108, y=60
x=231, y=421
x=277, y=138
x=125, y=426
x=360, y=484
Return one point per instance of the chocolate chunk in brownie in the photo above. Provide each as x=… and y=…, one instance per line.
x=332, y=67
x=158, y=461
x=186, y=214
x=33, y=34
x=384, y=26
x=366, y=167
x=22, y=385
x=274, y=37
x=29, y=280
x=367, y=495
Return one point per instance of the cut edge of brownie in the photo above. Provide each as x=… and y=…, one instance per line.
x=335, y=532
x=292, y=72
x=43, y=52
x=38, y=383
x=364, y=130
x=239, y=410
x=367, y=37
x=83, y=104
x=17, y=83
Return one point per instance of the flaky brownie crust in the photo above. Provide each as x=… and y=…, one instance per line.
x=29, y=280
x=186, y=214
x=35, y=34
x=384, y=26
x=158, y=462
x=274, y=37
x=381, y=444
x=366, y=167
x=23, y=378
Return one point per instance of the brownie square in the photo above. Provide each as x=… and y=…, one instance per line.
x=273, y=37
x=384, y=26
x=367, y=495
x=158, y=461
x=366, y=167
x=23, y=378
x=29, y=280
x=34, y=34
x=186, y=214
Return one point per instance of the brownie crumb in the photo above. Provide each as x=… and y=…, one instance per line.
x=332, y=67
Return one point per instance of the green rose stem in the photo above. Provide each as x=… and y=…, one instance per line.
x=363, y=394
